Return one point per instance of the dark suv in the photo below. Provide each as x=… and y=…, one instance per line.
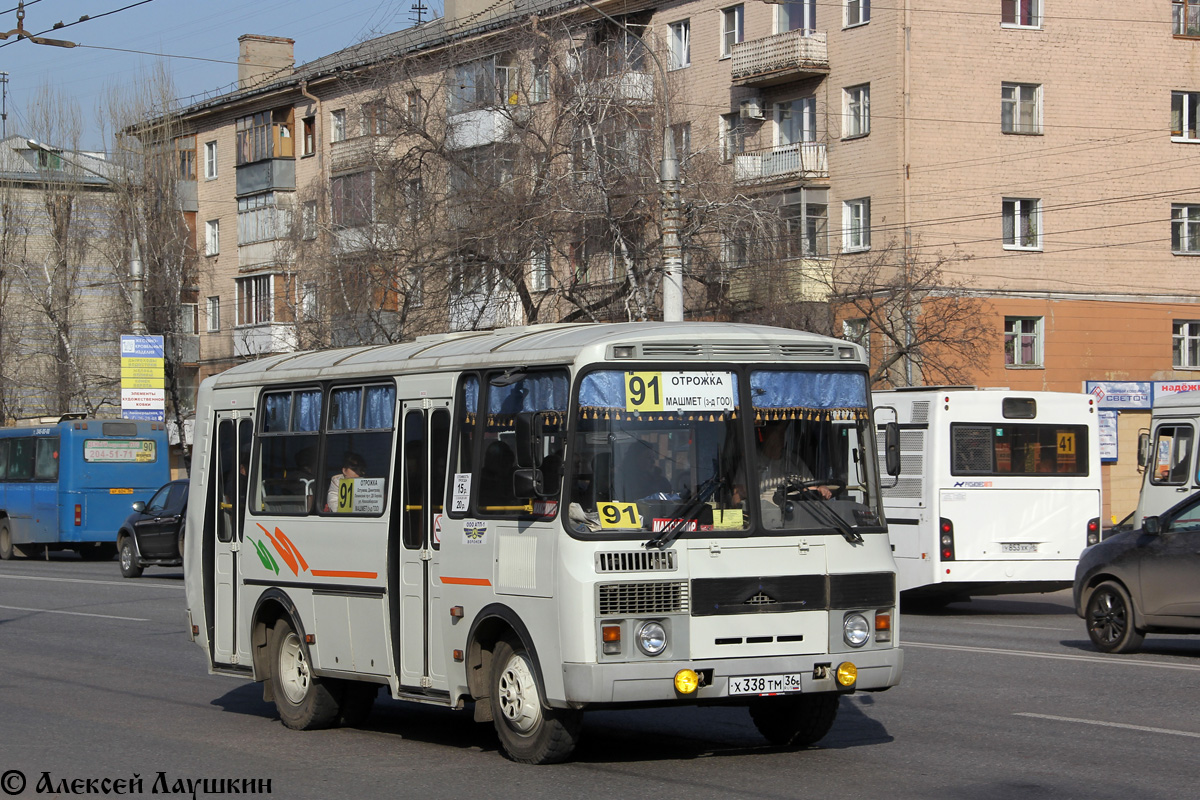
x=1142, y=581
x=153, y=534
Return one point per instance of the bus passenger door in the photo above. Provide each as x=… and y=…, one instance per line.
x=421, y=478
x=230, y=466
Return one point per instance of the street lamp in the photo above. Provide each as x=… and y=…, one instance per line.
x=136, y=271
x=672, y=247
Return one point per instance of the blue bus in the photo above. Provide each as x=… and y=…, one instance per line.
x=70, y=484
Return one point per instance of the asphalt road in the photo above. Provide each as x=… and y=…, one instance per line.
x=1001, y=698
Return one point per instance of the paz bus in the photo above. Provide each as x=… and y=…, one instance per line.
x=544, y=520
x=1167, y=455
x=70, y=484
x=1000, y=490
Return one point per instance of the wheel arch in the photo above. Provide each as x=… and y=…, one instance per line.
x=272, y=605
x=491, y=624
x=1139, y=620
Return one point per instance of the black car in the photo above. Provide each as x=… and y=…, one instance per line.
x=1142, y=581
x=153, y=534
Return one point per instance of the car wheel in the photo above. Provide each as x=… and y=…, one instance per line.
x=179, y=541
x=529, y=731
x=129, y=565
x=303, y=700
x=6, y=545
x=1109, y=619
x=796, y=721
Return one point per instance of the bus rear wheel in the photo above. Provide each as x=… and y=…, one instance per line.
x=304, y=701
x=529, y=731
x=796, y=721
x=6, y=545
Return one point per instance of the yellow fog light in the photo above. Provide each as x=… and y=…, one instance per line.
x=686, y=681
x=847, y=673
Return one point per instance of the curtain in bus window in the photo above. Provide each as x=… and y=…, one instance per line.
x=343, y=408
x=358, y=449
x=308, y=411
x=379, y=405
x=791, y=395
x=277, y=411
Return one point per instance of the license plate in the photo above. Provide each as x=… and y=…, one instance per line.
x=764, y=684
x=1018, y=547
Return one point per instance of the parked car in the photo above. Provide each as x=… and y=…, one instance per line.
x=153, y=534
x=1140, y=581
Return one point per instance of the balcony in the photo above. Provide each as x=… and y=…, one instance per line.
x=634, y=88
x=350, y=155
x=483, y=126
x=187, y=196
x=268, y=175
x=251, y=341
x=781, y=58
x=804, y=160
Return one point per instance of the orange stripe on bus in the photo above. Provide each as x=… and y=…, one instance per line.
x=333, y=573
x=467, y=581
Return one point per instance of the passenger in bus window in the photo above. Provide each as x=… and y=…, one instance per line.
x=353, y=466
x=778, y=464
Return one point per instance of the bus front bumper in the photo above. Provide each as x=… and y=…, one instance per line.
x=654, y=682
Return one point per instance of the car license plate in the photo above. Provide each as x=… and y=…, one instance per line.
x=1018, y=547
x=764, y=684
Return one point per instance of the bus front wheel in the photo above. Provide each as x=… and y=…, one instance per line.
x=529, y=731
x=6, y=545
x=303, y=700
x=796, y=721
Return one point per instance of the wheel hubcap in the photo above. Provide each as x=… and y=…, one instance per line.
x=126, y=556
x=518, y=698
x=1108, y=618
x=294, y=677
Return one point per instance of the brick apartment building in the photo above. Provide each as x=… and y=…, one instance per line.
x=1044, y=153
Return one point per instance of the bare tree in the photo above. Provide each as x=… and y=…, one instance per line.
x=932, y=330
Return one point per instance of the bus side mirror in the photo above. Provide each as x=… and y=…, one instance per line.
x=530, y=429
x=1143, y=449
x=526, y=483
x=891, y=448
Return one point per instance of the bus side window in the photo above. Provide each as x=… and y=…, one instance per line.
x=45, y=466
x=4, y=448
x=1172, y=454
x=358, y=449
x=20, y=459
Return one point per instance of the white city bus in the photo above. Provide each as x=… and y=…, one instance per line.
x=544, y=520
x=1000, y=491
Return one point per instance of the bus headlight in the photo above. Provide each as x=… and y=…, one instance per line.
x=651, y=638
x=856, y=630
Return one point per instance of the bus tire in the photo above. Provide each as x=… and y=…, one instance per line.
x=797, y=721
x=304, y=701
x=529, y=731
x=1110, y=622
x=6, y=545
x=129, y=565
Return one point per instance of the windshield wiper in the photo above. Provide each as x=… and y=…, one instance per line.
x=827, y=515
x=687, y=513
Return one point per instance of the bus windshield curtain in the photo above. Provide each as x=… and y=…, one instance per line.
x=546, y=392
x=808, y=395
x=602, y=395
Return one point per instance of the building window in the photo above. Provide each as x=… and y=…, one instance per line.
x=212, y=237
x=796, y=121
x=1022, y=223
x=210, y=160
x=800, y=15
x=859, y=332
x=337, y=125
x=1186, y=17
x=807, y=225
x=733, y=136
x=1022, y=341
x=1022, y=13
x=308, y=142
x=185, y=155
x=735, y=249
x=680, y=44
x=353, y=200
x=260, y=219
x=1020, y=108
x=260, y=138
x=858, y=12
x=413, y=108
x=858, y=111
x=1185, y=345
x=188, y=316
x=856, y=224
x=485, y=83
x=1185, y=229
x=213, y=309
x=374, y=118
x=1184, y=113
x=539, y=82
x=732, y=29
x=539, y=271
x=255, y=304
x=308, y=220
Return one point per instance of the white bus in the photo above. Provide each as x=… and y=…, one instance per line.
x=1000, y=491
x=544, y=520
x=1167, y=455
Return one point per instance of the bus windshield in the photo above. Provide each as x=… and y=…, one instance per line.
x=657, y=451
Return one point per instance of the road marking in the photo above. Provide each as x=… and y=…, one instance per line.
x=1108, y=724
x=1058, y=656
x=1006, y=625
x=102, y=583
x=75, y=613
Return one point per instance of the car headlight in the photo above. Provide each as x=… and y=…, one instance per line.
x=856, y=630
x=651, y=638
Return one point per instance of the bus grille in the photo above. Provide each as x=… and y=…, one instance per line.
x=862, y=589
x=667, y=597
x=637, y=561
